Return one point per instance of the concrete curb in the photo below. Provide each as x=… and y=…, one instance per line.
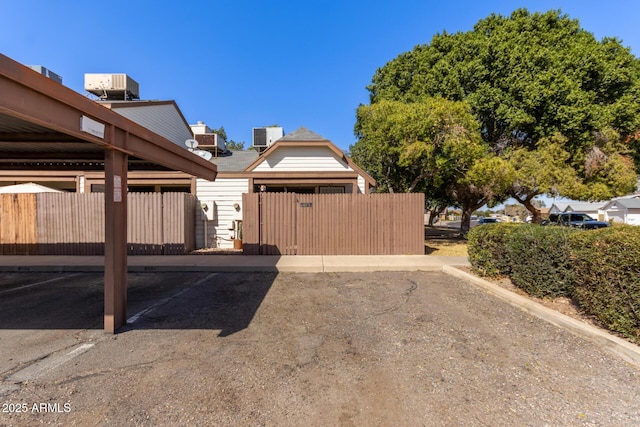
x=157, y=269
x=618, y=346
x=233, y=263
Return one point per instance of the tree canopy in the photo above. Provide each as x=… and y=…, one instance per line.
x=525, y=76
x=529, y=78
x=411, y=145
x=235, y=146
x=430, y=146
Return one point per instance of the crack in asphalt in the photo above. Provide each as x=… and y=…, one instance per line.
x=407, y=293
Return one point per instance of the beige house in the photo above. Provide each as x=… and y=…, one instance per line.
x=300, y=162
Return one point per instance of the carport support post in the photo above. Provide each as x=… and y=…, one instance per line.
x=115, y=248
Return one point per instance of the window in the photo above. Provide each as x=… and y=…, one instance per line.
x=331, y=190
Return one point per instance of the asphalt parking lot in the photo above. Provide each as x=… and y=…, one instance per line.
x=385, y=348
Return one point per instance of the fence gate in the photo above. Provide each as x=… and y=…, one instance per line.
x=333, y=224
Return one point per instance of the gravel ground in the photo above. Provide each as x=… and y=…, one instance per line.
x=349, y=349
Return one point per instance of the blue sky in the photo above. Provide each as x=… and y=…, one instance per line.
x=243, y=64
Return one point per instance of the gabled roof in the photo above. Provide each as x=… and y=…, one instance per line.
x=161, y=117
x=304, y=137
x=629, y=196
x=560, y=206
x=44, y=122
x=302, y=134
x=629, y=203
x=584, y=206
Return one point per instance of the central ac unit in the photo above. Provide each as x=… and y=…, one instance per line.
x=111, y=86
x=265, y=136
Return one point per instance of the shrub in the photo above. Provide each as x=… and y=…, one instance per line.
x=486, y=249
x=607, y=268
x=540, y=260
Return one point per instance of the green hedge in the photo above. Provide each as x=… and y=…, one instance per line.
x=599, y=268
x=540, y=260
x=487, y=250
x=607, y=264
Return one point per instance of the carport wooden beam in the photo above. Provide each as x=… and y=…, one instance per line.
x=37, y=100
x=115, y=259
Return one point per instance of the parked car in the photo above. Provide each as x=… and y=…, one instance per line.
x=575, y=219
x=488, y=220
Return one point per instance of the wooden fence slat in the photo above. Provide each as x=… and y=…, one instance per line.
x=73, y=223
x=333, y=224
x=18, y=227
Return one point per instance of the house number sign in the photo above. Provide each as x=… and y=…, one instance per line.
x=306, y=204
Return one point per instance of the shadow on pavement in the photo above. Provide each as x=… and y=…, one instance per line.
x=223, y=301
x=227, y=301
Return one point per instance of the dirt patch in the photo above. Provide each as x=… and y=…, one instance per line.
x=566, y=306
x=448, y=242
x=348, y=349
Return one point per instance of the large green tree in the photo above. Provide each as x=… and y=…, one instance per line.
x=529, y=77
x=426, y=146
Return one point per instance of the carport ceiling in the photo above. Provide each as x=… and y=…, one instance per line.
x=28, y=146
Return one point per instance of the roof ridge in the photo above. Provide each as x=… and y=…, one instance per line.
x=302, y=134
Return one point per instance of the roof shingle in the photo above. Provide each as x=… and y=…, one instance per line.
x=302, y=134
x=236, y=161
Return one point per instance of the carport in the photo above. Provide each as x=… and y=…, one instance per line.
x=45, y=125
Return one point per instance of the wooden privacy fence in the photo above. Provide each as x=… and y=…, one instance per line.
x=73, y=223
x=333, y=224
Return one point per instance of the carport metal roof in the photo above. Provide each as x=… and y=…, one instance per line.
x=45, y=125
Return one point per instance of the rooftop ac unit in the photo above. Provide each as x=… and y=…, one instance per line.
x=265, y=136
x=112, y=86
x=46, y=72
x=259, y=137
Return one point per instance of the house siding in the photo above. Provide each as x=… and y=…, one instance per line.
x=161, y=119
x=361, y=185
x=619, y=213
x=224, y=192
x=633, y=218
x=317, y=159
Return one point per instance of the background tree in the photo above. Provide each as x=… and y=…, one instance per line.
x=485, y=183
x=541, y=171
x=528, y=77
x=235, y=146
x=379, y=147
x=426, y=146
x=220, y=132
x=231, y=144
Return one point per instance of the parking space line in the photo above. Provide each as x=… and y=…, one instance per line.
x=48, y=363
x=149, y=309
x=136, y=316
x=44, y=282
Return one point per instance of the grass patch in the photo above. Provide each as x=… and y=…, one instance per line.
x=443, y=241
